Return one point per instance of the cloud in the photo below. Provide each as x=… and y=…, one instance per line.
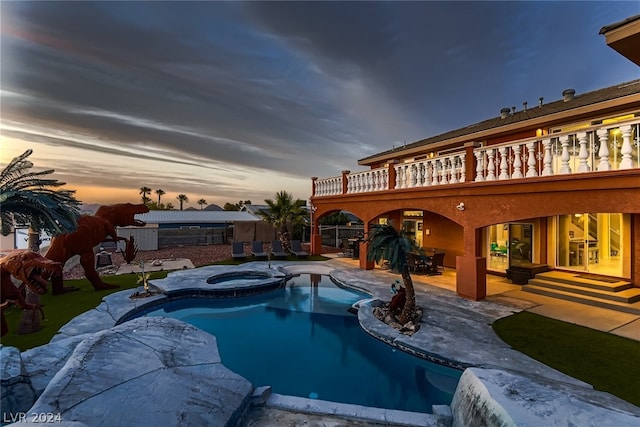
x=268, y=93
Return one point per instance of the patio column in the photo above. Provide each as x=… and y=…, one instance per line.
x=471, y=270
x=345, y=181
x=392, y=174
x=470, y=161
x=364, y=249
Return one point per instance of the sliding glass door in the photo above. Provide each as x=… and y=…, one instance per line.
x=590, y=242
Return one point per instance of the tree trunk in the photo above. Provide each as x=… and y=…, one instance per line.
x=410, y=303
x=33, y=242
x=284, y=238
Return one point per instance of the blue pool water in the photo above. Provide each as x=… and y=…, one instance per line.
x=301, y=341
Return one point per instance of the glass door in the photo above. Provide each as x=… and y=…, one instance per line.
x=590, y=242
x=520, y=244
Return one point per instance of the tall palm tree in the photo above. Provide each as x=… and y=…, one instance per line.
x=144, y=191
x=202, y=203
x=182, y=198
x=160, y=192
x=29, y=197
x=387, y=243
x=281, y=212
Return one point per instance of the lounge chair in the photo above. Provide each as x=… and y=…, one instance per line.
x=237, y=250
x=296, y=249
x=256, y=249
x=276, y=249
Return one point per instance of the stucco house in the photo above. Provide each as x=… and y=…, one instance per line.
x=554, y=184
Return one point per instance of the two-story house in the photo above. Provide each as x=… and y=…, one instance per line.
x=556, y=183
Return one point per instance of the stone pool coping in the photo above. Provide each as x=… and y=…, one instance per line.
x=454, y=330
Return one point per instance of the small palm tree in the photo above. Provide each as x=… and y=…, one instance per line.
x=29, y=197
x=182, y=198
x=202, y=203
x=283, y=211
x=160, y=192
x=144, y=191
x=387, y=243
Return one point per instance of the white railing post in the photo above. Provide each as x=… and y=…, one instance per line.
x=517, y=162
x=491, y=165
x=504, y=174
x=531, y=159
x=479, y=165
x=463, y=167
x=583, y=154
x=603, y=137
x=564, y=158
x=547, y=160
x=627, y=149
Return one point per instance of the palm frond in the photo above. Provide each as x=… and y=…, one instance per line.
x=28, y=197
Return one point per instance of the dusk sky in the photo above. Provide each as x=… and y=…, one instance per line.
x=231, y=101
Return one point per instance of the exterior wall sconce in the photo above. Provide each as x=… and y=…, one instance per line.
x=460, y=206
x=538, y=132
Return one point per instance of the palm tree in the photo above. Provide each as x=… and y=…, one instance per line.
x=182, y=198
x=387, y=243
x=282, y=211
x=144, y=191
x=160, y=192
x=202, y=203
x=29, y=197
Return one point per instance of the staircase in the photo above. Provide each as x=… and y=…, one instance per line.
x=619, y=295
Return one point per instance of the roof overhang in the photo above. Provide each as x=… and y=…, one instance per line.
x=629, y=101
x=624, y=37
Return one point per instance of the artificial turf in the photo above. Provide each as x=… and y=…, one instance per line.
x=608, y=362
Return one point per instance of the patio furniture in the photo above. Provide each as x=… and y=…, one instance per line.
x=237, y=250
x=276, y=249
x=347, y=249
x=434, y=262
x=256, y=249
x=296, y=249
x=416, y=263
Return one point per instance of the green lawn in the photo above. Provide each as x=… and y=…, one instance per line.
x=608, y=362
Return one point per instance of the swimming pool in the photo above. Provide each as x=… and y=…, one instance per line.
x=302, y=341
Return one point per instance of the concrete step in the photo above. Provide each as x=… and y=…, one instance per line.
x=574, y=279
x=632, y=308
x=627, y=295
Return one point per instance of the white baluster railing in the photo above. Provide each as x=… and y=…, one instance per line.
x=328, y=186
x=613, y=146
x=367, y=181
x=563, y=153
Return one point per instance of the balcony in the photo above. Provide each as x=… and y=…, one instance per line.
x=605, y=147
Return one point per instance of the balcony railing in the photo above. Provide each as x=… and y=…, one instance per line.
x=593, y=149
x=614, y=146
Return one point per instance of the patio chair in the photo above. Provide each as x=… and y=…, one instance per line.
x=416, y=263
x=434, y=264
x=276, y=249
x=296, y=249
x=237, y=250
x=256, y=249
x=347, y=249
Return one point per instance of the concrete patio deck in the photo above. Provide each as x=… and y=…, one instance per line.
x=500, y=289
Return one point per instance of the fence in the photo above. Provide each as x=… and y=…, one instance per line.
x=332, y=235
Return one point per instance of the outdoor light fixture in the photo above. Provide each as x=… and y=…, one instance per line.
x=460, y=206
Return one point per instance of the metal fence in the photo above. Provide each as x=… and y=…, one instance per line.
x=332, y=235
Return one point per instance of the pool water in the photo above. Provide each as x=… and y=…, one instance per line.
x=302, y=341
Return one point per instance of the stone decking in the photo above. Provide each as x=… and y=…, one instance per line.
x=131, y=374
